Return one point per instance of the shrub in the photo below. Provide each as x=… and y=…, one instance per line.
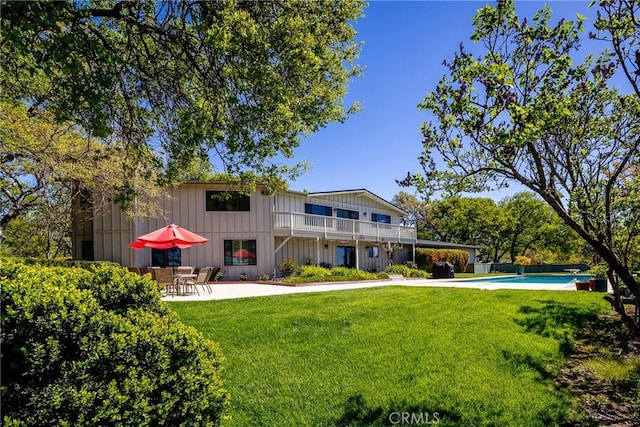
x=313, y=271
x=288, y=267
x=96, y=346
x=216, y=274
x=345, y=273
x=406, y=271
x=426, y=258
x=522, y=260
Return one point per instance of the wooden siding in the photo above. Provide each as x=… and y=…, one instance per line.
x=186, y=206
x=294, y=202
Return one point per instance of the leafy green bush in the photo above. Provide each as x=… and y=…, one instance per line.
x=406, y=271
x=288, y=267
x=309, y=274
x=345, y=273
x=94, y=345
x=313, y=271
x=426, y=258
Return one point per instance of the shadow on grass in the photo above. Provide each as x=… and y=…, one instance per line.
x=554, y=319
x=357, y=412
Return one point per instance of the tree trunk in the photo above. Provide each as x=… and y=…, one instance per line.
x=624, y=274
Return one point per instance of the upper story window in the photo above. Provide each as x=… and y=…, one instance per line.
x=227, y=201
x=343, y=213
x=381, y=218
x=312, y=209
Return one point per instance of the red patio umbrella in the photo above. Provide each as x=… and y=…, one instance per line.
x=167, y=237
x=243, y=253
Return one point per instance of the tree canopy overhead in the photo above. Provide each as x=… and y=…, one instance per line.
x=523, y=111
x=242, y=81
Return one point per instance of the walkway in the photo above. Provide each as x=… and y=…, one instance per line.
x=222, y=290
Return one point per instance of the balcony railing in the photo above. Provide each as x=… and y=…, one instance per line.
x=332, y=228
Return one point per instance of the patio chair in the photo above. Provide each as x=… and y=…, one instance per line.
x=183, y=270
x=164, y=277
x=202, y=279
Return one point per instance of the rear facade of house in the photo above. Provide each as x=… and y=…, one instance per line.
x=253, y=233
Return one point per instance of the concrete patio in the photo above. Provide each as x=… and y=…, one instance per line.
x=222, y=290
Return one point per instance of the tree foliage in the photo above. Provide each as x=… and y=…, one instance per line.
x=46, y=165
x=524, y=111
x=517, y=225
x=175, y=81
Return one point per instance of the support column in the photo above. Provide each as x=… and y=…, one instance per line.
x=357, y=255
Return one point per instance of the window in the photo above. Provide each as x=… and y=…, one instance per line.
x=171, y=257
x=373, y=251
x=239, y=252
x=347, y=256
x=312, y=209
x=343, y=213
x=87, y=250
x=227, y=201
x=381, y=218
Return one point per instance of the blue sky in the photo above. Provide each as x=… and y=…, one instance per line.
x=405, y=43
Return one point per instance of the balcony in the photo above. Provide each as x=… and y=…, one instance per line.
x=331, y=228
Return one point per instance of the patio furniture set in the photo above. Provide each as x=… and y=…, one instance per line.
x=178, y=280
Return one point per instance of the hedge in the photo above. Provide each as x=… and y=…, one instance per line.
x=95, y=345
x=426, y=258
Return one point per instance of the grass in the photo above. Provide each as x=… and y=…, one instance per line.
x=358, y=357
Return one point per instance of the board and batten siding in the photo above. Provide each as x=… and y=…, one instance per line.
x=358, y=202
x=113, y=230
x=185, y=206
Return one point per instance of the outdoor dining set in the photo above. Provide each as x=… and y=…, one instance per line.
x=178, y=280
x=174, y=280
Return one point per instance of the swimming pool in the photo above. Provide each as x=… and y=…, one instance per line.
x=537, y=279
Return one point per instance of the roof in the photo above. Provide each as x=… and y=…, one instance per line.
x=435, y=244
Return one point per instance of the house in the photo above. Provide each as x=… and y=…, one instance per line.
x=253, y=233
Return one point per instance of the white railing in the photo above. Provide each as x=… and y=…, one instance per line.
x=300, y=224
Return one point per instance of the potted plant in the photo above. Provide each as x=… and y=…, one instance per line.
x=598, y=275
x=521, y=262
x=244, y=277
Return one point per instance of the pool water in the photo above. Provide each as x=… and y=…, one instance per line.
x=555, y=279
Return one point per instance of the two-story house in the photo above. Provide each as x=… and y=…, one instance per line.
x=253, y=233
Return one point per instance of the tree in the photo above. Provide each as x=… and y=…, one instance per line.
x=45, y=164
x=523, y=112
x=533, y=224
x=241, y=81
x=415, y=209
x=618, y=22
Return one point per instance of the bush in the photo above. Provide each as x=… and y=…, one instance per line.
x=288, y=267
x=94, y=345
x=313, y=271
x=309, y=274
x=216, y=274
x=426, y=258
x=345, y=273
x=522, y=260
x=406, y=271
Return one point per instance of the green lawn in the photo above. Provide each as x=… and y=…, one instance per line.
x=358, y=357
